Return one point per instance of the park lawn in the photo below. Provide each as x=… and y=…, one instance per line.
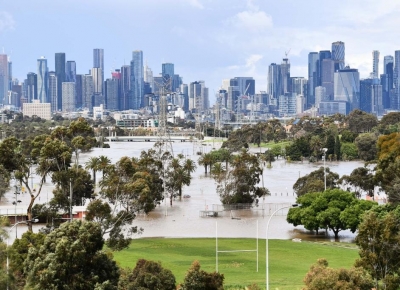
x=288, y=261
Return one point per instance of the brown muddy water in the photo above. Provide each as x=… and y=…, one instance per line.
x=184, y=218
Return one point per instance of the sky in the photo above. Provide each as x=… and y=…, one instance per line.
x=208, y=40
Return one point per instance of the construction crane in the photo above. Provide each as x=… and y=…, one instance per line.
x=287, y=52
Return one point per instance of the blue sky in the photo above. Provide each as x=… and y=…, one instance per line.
x=207, y=40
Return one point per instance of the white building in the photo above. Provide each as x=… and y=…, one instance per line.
x=68, y=96
x=42, y=110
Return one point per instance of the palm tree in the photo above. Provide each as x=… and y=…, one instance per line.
x=104, y=161
x=93, y=164
x=189, y=166
x=206, y=160
x=316, y=145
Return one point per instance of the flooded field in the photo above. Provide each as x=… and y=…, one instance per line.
x=183, y=218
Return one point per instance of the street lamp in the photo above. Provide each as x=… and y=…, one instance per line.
x=266, y=242
x=22, y=222
x=324, y=152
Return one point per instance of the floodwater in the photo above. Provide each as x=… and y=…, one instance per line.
x=183, y=219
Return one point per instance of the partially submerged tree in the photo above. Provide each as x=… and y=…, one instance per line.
x=334, y=210
x=314, y=182
x=239, y=183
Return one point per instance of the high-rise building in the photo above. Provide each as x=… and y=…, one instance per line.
x=98, y=61
x=137, y=80
x=78, y=88
x=184, y=89
x=285, y=76
x=323, y=54
x=125, y=87
x=366, y=95
x=111, y=86
x=148, y=77
x=60, y=74
x=168, y=71
x=98, y=98
x=87, y=91
x=338, y=55
x=68, y=96
x=3, y=79
x=395, y=94
x=31, y=87
x=42, y=80
x=386, y=60
x=375, y=64
x=312, y=78
x=327, y=70
x=320, y=95
x=347, y=87
x=274, y=80
x=53, y=97
x=70, y=71
x=299, y=85
x=10, y=78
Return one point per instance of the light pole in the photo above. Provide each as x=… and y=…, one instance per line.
x=324, y=152
x=22, y=222
x=266, y=242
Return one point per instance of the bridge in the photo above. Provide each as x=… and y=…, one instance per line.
x=147, y=138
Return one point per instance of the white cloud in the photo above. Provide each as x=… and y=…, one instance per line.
x=196, y=4
x=6, y=21
x=251, y=20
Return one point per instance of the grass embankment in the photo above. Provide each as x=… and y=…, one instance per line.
x=288, y=261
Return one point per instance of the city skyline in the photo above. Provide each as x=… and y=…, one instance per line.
x=228, y=39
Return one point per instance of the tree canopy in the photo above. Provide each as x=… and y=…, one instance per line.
x=71, y=258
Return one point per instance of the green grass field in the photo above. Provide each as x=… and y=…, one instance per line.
x=288, y=261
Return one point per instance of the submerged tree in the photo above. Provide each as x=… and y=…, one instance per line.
x=239, y=183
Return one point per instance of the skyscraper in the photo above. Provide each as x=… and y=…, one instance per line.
x=31, y=87
x=3, y=79
x=70, y=71
x=87, y=91
x=323, y=54
x=274, y=86
x=386, y=60
x=42, y=80
x=148, y=77
x=395, y=94
x=125, y=87
x=327, y=70
x=285, y=76
x=60, y=74
x=98, y=61
x=53, y=98
x=137, y=80
x=375, y=64
x=111, y=87
x=312, y=78
x=10, y=74
x=347, y=87
x=338, y=55
x=68, y=96
x=98, y=97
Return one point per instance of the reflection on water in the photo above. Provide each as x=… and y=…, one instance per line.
x=183, y=218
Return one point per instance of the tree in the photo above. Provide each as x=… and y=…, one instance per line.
x=206, y=160
x=316, y=145
x=314, y=182
x=388, y=165
x=362, y=180
x=93, y=163
x=378, y=239
x=197, y=279
x=17, y=255
x=178, y=175
x=348, y=151
x=71, y=258
x=332, y=209
x=366, y=145
x=147, y=275
x=239, y=183
x=360, y=121
x=322, y=277
x=337, y=151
